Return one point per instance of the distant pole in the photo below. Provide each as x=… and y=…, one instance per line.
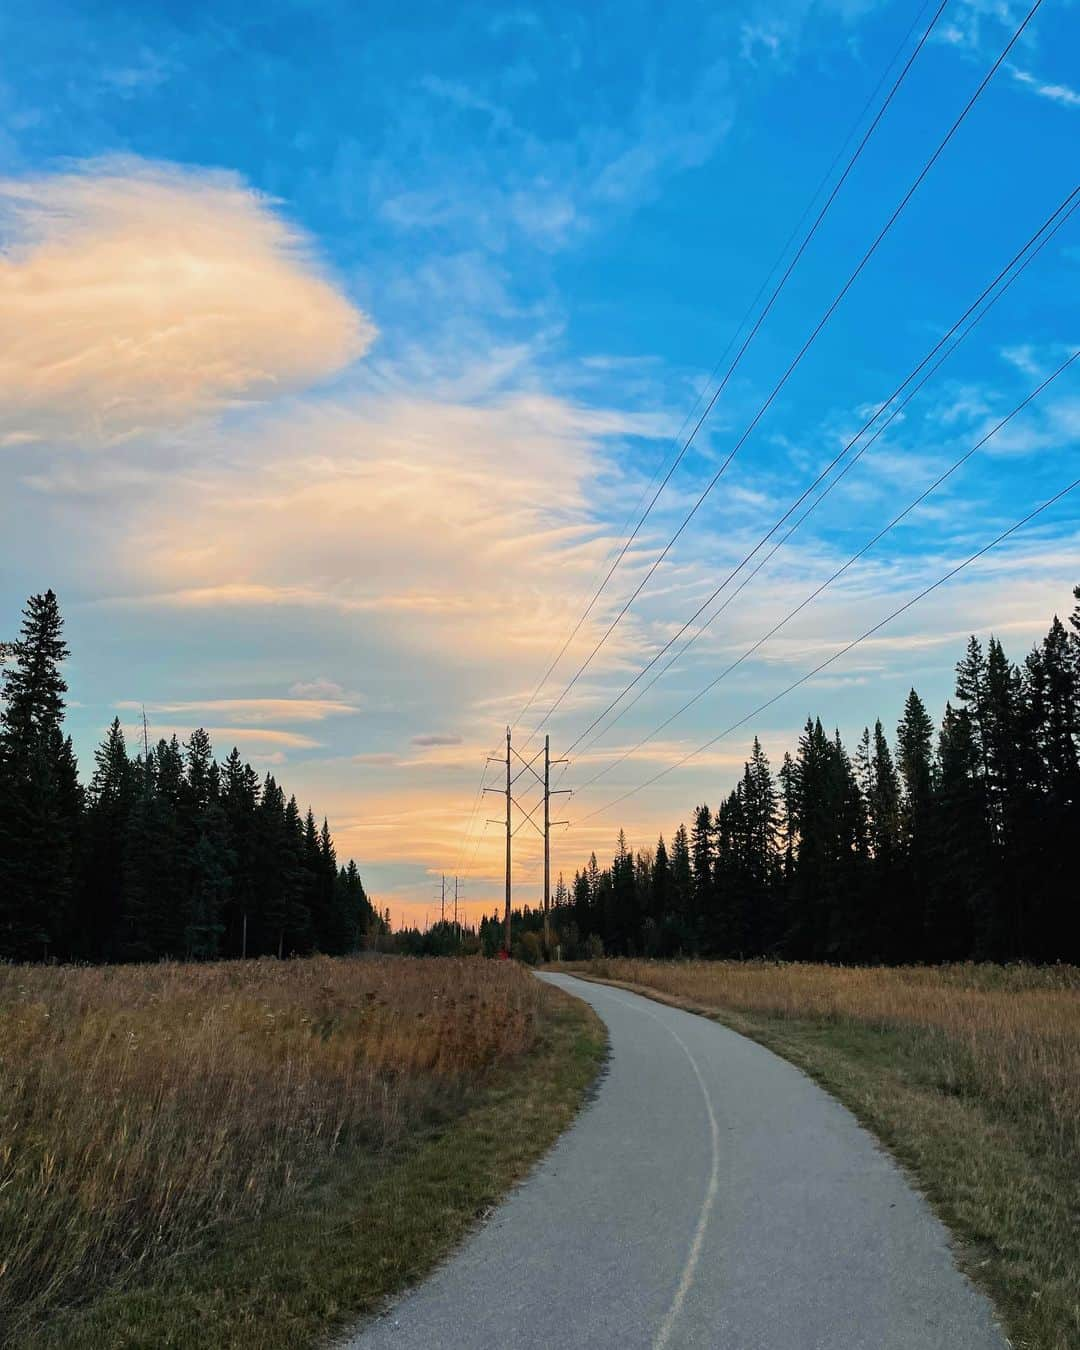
x=548, y=762
x=442, y=901
x=547, y=843
x=509, y=799
x=145, y=737
x=528, y=817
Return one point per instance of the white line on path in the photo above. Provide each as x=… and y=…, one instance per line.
x=689, y=1269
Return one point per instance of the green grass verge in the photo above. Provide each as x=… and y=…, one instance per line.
x=368, y=1229
x=1013, y=1210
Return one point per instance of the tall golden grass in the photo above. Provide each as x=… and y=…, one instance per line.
x=143, y=1106
x=1006, y=1035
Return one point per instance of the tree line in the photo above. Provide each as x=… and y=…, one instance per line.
x=164, y=854
x=942, y=844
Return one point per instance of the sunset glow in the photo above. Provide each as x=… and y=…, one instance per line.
x=329, y=390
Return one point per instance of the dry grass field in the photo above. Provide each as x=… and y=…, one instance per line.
x=146, y=1111
x=970, y=1074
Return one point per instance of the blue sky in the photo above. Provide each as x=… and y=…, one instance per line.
x=340, y=342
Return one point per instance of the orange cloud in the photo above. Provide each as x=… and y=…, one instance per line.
x=134, y=295
x=250, y=740
x=459, y=528
x=253, y=711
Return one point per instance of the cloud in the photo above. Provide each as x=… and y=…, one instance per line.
x=1063, y=94
x=753, y=36
x=253, y=711
x=517, y=188
x=450, y=526
x=320, y=687
x=432, y=740
x=291, y=740
x=137, y=295
x=250, y=740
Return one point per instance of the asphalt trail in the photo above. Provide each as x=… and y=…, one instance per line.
x=710, y=1195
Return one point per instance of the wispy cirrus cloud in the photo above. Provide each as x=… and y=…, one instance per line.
x=252, y=711
x=136, y=295
x=256, y=741
x=546, y=194
x=394, y=517
x=1063, y=94
x=321, y=687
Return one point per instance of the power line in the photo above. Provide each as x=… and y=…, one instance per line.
x=798, y=357
x=745, y=344
x=476, y=849
x=750, y=309
x=741, y=325
x=472, y=816
x=803, y=679
x=995, y=290
x=957, y=464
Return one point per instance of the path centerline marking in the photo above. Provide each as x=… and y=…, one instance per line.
x=689, y=1270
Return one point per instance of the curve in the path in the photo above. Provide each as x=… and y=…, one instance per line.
x=711, y=1196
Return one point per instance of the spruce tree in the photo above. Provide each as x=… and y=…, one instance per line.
x=239, y=801
x=703, y=884
x=681, y=891
x=915, y=759
x=960, y=924
x=110, y=801
x=39, y=825
x=661, y=884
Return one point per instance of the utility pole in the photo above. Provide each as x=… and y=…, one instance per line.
x=528, y=817
x=442, y=901
x=548, y=761
x=509, y=836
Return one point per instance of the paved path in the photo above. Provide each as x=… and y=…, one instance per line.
x=710, y=1195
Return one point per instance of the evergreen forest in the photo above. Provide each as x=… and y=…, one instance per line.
x=164, y=854
x=940, y=843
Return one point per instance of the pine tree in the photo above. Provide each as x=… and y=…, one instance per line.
x=340, y=932
x=239, y=801
x=661, y=884
x=156, y=860
x=297, y=935
x=644, y=862
x=959, y=925
x=915, y=759
x=682, y=885
x=724, y=926
x=582, y=904
x=703, y=880
x=849, y=921
x=40, y=790
x=1051, y=736
x=887, y=928
x=110, y=801
x=623, y=920
x=271, y=878
x=763, y=922
x=990, y=689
